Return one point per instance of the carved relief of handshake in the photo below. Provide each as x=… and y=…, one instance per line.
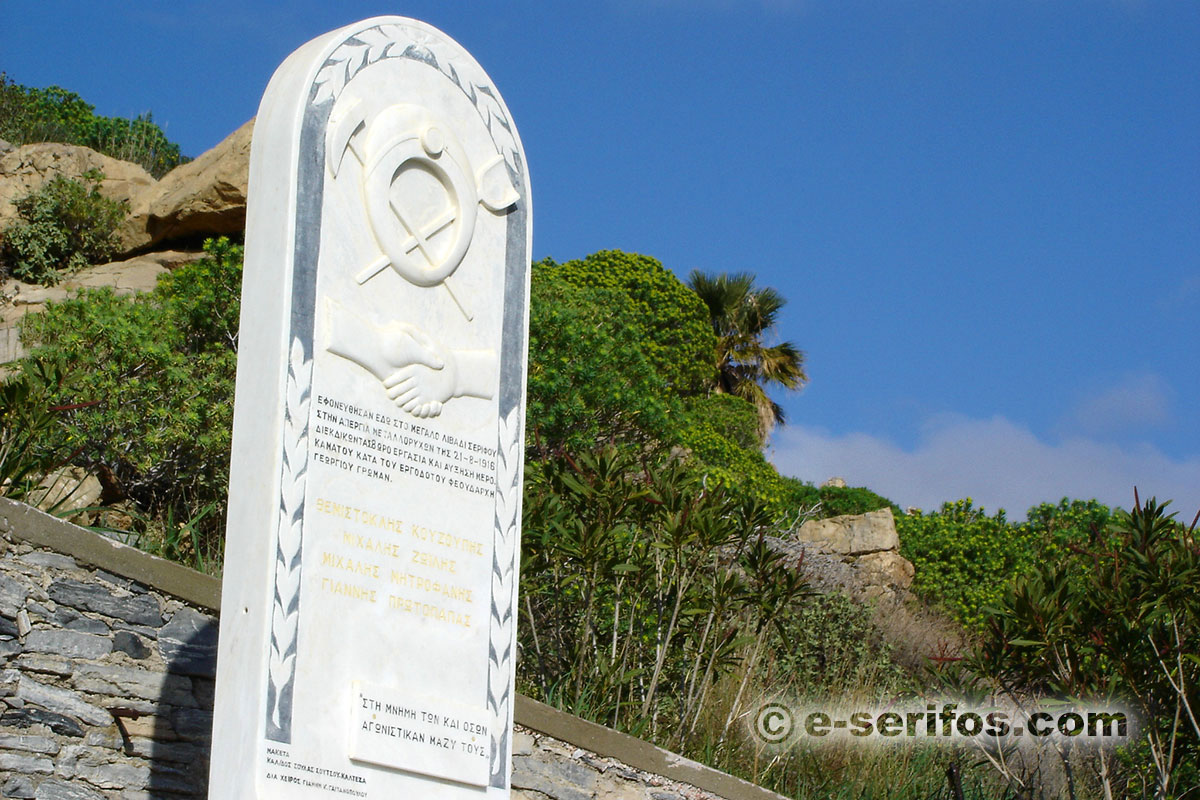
x=419, y=374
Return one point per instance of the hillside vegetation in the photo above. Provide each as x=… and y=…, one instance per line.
x=652, y=597
x=53, y=114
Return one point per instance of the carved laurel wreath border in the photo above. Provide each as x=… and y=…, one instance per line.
x=357, y=52
x=384, y=41
x=285, y=611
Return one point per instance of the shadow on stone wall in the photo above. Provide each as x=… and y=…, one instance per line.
x=107, y=685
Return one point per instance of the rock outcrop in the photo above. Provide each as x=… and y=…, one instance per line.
x=853, y=534
x=26, y=169
x=205, y=197
x=134, y=275
x=856, y=553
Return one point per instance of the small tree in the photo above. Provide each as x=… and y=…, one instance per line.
x=742, y=316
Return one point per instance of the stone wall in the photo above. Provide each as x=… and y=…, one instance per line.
x=107, y=684
x=107, y=667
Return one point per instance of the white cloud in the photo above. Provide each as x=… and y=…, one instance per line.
x=997, y=462
x=1138, y=400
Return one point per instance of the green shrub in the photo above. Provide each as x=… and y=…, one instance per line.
x=839, y=500
x=830, y=645
x=64, y=226
x=1115, y=621
x=675, y=334
x=727, y=414
x=966, y=560
x=54, y=114
x=157, y=372
x=589, y=381
x=745, y=473
x=28, y=448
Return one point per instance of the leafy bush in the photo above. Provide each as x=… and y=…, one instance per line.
x=641, y=588
x=726, y=414
x=589, y=381
x=831, y=645
x=64, y=226
x=745, y=473
x=54, y=114
x=966, y=560
x=157, y=372
x=675, y=334
x=839, y=500
x=28, y=449
x=963, y=558
x=1116, y=621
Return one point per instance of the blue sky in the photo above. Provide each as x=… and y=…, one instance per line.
x=985, y=215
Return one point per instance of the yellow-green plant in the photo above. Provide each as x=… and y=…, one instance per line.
x=63, y=227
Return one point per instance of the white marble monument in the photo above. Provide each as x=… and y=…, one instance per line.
x=368, y=610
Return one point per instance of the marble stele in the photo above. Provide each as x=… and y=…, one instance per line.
x=368, y=611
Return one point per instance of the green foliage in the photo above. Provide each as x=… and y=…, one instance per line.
x=839, y=500
x=590, y=382
x=963, y=558
x=744, y=472
x=54, y=114
x=671, y=322
x=1117, y=620
x=155, y=376
x=27, y=419
x=966, y=560
x=726, y=414
x=831, y=645
x=64, y=226
x=641, y=589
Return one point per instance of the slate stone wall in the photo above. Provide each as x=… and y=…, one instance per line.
x=106, y=687
x=107, y=668
x=545, y=767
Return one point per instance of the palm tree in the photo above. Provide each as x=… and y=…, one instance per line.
x=742, y=315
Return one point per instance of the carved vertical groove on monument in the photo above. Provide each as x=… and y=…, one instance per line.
x=285, y=616
x=504, y=579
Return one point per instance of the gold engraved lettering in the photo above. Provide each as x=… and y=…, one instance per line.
x=448, y=540
x=437, y=562
x=368, y=518
x=429, y=611
x=351, y=565
x=371, y=545
x=410, y=581
x=351, y=590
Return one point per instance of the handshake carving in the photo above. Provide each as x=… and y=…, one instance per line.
x=419, y=374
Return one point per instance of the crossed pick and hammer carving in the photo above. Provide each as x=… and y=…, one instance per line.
x=399, y=137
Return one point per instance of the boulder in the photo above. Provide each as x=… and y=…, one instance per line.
x=28, y=168
x=65, y=490
x=835, y=482
x=853, y=534
x=887, y=568
x=205, y=197
x=134, y=275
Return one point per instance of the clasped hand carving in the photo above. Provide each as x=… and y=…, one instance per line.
x=420, y=375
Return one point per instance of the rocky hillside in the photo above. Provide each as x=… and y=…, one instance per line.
x=168, y=219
